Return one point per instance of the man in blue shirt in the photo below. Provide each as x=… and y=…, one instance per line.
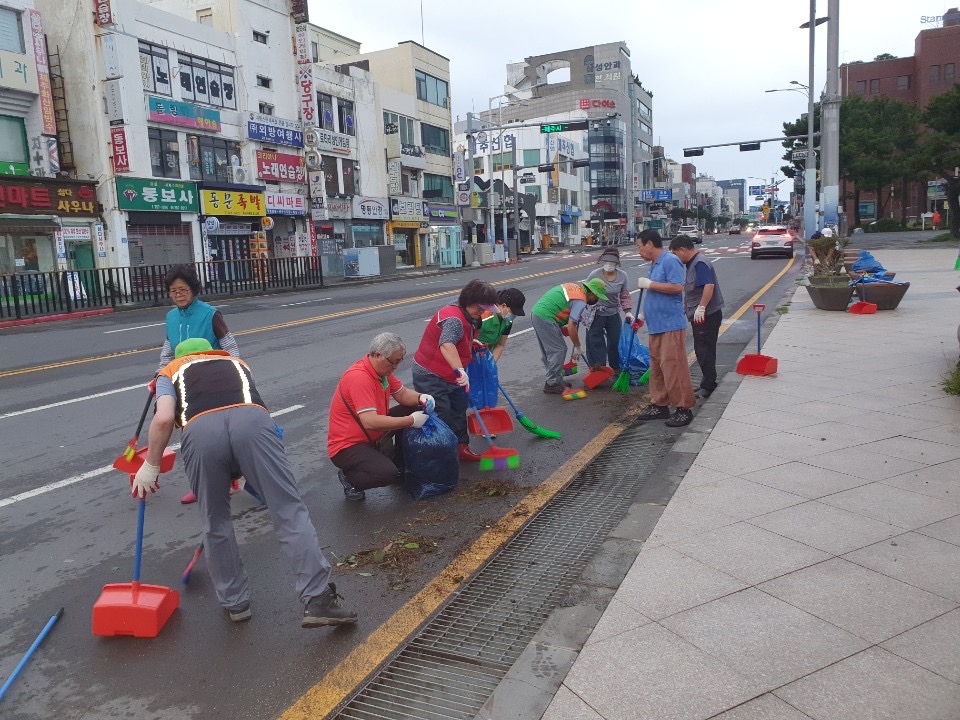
x=667, y=324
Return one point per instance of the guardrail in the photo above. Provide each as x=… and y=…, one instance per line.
x=34, y=294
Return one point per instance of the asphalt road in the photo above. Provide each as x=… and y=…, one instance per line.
x=72, y=393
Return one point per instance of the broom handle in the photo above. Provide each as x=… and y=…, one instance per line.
x=758, y=332
x=33, y=647
x=507, y=397
x=483, y=427
x=143, y=415
x=136, y=560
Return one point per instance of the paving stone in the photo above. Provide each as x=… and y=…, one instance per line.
x=765, y=707
x=892, y=505
x=865, y=464
x=825, y=527
x=922, y=561
x=618, y=618
x=921, y=451
x=735, y=460
x=683, y=519
x=947, y=530
x=932, y=645
x=568, y=706
x=738, y=498
x=941, y=481
x=803, y=479
x=790, y=446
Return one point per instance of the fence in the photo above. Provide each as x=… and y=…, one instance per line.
x=33, y=294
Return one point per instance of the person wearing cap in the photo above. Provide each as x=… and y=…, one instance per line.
x=444, y=352
x=226, y=426
x=603, y=333
x=362, y=431
x=670, y=382
x=495, y=324
x=555, y=314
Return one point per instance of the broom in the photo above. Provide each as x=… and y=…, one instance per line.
x=622, y=385
x=527, y=423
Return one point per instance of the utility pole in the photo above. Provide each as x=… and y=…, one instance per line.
x=830, y=118
x=810, y=170
x=470, y=175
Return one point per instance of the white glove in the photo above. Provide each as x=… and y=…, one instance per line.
x=463, y=380
x=419, y=418
x=147, y=478
x=643, y=283
x=576, y=355
x=429, y=404
x=628, y=317
x=699, y=314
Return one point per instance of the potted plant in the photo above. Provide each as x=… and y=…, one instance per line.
x=828, y=285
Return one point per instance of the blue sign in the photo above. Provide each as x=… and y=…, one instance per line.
x=755, y=190
x=273, y=134
x=661, y=195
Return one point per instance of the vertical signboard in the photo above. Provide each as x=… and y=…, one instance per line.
x=308, y=100
x=101, y=240
x=459, y=167
x=43, y=74
x=104, y=12
x=118, y=145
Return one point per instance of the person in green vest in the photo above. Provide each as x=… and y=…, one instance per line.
x=495, y=325
x=556, y=314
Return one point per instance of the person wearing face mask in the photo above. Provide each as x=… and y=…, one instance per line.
x=603, y=335
x=495, y=325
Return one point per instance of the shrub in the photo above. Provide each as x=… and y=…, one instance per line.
x=884, y=225
x=951, y=383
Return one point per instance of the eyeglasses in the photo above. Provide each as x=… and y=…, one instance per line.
x=395, y=363
x=179, y=291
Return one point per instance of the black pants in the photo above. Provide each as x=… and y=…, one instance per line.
x=705, y=336
x=450, y=399
x=365, y=467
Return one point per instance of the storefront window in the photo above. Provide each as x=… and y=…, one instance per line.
x=27, y=253
x=367, y=235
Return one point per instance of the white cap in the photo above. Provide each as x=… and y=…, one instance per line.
x=827, y=232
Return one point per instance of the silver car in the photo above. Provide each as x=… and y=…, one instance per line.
x=692, y=232
x=771, y=240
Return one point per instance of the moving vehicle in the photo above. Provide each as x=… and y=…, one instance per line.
x=772, y=240
x=692, y=232
x=734, y=230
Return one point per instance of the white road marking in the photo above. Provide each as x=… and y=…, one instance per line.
x=99, y=471
x=141, y=386
x=138, y=327
x=304, y=302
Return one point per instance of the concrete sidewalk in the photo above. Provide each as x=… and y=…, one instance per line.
x=808, y=565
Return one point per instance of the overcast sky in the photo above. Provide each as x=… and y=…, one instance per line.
x=707, y=62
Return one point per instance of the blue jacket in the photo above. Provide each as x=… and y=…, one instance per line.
x=194, y=321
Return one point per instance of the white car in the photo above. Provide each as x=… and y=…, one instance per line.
x=772, y=240
x=692, y=232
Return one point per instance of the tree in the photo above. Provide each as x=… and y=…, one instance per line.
x=939, y=150
x=885, y=56
x=798, y=127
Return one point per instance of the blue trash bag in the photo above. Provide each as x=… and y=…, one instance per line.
x=635, y=359
x=484, y=379
x=866, y=262
x=431, y=466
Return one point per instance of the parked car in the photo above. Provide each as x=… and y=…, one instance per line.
x=771, y=240
x=734, y=230
x=692, y=232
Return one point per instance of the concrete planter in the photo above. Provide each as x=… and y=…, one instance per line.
x=830, y=297
x=886, y=296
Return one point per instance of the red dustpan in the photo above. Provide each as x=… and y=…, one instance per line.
x=862, y=307
x=757, y=364
x=496, y=420
x=595, y=378
x=132, y=608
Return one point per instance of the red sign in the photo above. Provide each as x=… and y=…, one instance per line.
x=43, y=74
x=118, y=146
x=587, y=104
x=104, y=12
x=281, y=166
x=48, y=197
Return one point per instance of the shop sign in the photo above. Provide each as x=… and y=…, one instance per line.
x=76, y=233
x=308, y=100
x=230, y=202
x=181, y=114
x=14, y=168
x=101, y=241
x=118, y=146
x=285, y=204
x=369, y=208
x=339, y=209
x=443, y=213
x=406, y=209
x=394, y=177
x=299, y=11
x=281, y=167
x=275, y=130
x=231, y=228
x=156, y=195
x=588, y=104
x=459, y=167
x=114, y=94
x=17, y=72
x=333, y=142
x=493, y=144
x=104, y=12
x=39, y=197
x=44, y=88
x=61, y=248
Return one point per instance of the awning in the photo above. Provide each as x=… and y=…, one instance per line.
x=17, y=224
x=566, y=219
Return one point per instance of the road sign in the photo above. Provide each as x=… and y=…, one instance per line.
x=564, y=126
x=527, y=178
x=755, y=190
x=801, y=154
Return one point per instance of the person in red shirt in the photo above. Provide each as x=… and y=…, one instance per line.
x=362, y=425
x=438, y=364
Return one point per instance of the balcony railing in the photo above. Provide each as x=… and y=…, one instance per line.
x=34, y=294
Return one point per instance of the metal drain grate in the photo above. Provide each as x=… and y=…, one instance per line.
x=450, y=668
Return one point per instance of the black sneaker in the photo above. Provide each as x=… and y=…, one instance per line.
x=241, y=613
x=554, y=388
x=680, y=418
x=349, y=490
x=655, y=412
x=326, y=609
x=704, y=393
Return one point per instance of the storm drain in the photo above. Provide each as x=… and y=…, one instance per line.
x=453, y=665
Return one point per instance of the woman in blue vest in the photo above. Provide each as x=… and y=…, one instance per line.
x=192, y=318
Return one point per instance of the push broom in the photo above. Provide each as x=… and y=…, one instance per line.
x=622, y=385
x=526, y=422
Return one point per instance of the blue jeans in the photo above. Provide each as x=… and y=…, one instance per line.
x=603, y=341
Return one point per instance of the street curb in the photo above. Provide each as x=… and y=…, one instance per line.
x=54, y=318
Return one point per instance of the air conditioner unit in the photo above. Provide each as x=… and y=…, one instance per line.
x=239, y=175
x=313, y=160
x=311, y=138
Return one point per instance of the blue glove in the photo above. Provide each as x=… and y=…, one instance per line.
x=429, y=404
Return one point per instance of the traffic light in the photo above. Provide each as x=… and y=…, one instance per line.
x=564, y=126
x=691, y=152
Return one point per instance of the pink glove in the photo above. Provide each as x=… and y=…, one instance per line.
x=463, y=380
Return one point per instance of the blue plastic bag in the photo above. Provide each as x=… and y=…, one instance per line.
x=635, y=359
x=431, y=466
x=484, y=378
x=867, y=263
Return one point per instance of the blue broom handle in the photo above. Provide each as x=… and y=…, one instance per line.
x=758, y=333
x=36, y=644
x=515, y=411
x=136, y=560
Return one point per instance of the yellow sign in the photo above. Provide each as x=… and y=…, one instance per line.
x=406, y=224
x=230, y=202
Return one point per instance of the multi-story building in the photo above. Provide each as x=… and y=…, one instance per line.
x=48, y=221
x=599, y=81
x=930, y=71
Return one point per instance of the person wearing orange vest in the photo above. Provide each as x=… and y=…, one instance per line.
x=226, y=425
x=558, y=313
x=438, y=364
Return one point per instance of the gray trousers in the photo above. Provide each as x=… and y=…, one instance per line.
x=553, y=347
x=213, y=446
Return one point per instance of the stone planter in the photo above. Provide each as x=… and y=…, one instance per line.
x=830, y=296
x=886, y=296
x=828, y=280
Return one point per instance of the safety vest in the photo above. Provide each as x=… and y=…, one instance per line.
x=428, y=355
x=210, y=381
x=555, y=303
x=194, y=321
